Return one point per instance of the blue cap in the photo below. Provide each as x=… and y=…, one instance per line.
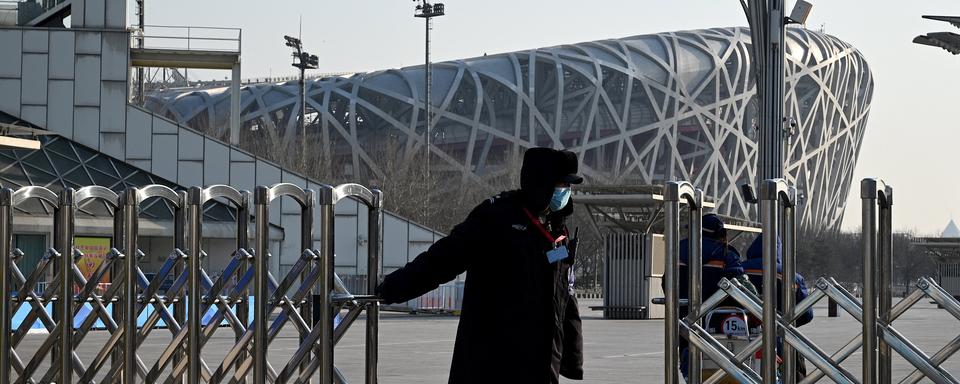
x=713, y=226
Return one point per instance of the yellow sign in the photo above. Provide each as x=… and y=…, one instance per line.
x=95, y=250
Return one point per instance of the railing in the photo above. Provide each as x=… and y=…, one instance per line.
x=195, y=306
x=187, y=38
x=878, y=339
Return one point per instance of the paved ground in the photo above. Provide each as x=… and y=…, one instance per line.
x=417, y=349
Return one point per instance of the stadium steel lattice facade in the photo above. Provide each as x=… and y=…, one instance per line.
x=638, y=110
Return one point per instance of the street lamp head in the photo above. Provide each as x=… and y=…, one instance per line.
x=292, y=42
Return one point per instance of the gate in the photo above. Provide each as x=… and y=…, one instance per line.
x=878, y=339
x=195, y=306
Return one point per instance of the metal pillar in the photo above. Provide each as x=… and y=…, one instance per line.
x=194, y=330
x=64, y=217
x=374, y=250
x=875, y=194
x=788, y=298
x=6, y=246
x=768, y=216
x=695, y=285
x=673, y=194
x=130, y=212
x=766, y=20
x=886, y=286
x=235, y=105
x=261, y=201
x=326, y=284
x=306, y=243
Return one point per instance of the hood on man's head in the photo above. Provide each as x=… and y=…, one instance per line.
x=542, y=169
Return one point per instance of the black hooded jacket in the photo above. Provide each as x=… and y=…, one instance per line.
x=519, y=321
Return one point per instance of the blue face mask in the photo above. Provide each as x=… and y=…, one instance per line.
x=560, y=198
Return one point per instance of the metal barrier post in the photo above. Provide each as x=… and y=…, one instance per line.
x=306, y=243
x=886, y=283
x=64, y=217
x=695, y=283
x=326, y=200
x=375, y=217
x=873, y=192
x=671, y=279
x=673, y=193
x=119, y=221
x=243, y=243
x=194, y=331
x=179, y=242
x=6, y=245
x=130, y=212
x=261, y=201
x=789, y=229
x=769, y=209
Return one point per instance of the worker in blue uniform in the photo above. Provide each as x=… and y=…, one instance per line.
x=753, y=267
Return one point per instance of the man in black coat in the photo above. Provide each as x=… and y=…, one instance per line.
x=519, y=321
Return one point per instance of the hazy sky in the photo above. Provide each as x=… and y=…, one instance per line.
x=912, y=132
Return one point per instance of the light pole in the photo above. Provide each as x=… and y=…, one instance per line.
x=767, y=19
x=303, y=61
x=427, y=11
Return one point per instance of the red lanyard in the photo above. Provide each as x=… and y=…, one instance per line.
x=543, y=230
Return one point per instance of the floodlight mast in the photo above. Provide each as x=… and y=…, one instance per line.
x=303, y=61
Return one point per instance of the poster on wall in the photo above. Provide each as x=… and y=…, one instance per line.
x=95, y=250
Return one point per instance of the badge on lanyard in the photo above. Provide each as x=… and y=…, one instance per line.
x=557, y=254
x=559, y=251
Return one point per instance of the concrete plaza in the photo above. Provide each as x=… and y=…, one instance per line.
x=418, y=348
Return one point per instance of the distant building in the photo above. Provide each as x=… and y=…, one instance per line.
x=638, y=110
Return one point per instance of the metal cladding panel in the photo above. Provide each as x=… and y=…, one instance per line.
x=10, y=96
x=60, y=107
x=62, y=44
x=190, y=172
x=165, y=156
x=113, y=106
x=94, y=13
x=116, y=14
x=88, y=43
x=11, y=44
x=87, y=91
x=115, y=56
x=35, y=76
x=35, y=114
x=139, y=133
x=36, y=41
x=190, y=145
x=113, y=144
x=243, y=175
x=216, y=164
x=86, y=129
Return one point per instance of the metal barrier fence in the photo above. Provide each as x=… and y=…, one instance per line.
x=191, y=295
x=878, y=339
